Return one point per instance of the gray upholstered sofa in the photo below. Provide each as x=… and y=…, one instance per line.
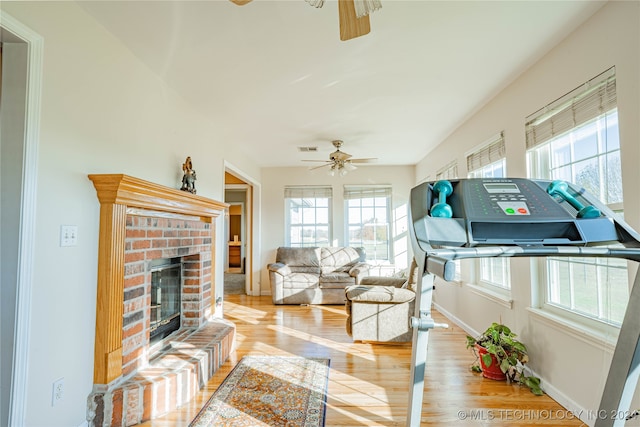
x=379, y=309
x=315, y=275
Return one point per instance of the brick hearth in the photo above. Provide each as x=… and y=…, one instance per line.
x=141, y=222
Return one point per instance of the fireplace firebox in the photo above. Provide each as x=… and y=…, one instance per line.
x=166, y=282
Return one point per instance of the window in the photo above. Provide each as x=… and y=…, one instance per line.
x=368, y=214
x=450, y=171
x=576, y=139
x=308, y=216
x=489, y=162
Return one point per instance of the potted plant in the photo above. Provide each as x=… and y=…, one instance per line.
x=500, y=356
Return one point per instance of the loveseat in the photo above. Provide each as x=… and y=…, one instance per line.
x=315, y=275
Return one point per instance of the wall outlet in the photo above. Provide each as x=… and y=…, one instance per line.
x=68, y=235
x=57, y=392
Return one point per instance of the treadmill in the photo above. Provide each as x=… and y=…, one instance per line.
x=517, y=217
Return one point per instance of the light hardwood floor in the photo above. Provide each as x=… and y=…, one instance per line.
x=368, y=383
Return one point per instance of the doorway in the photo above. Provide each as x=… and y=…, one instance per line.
x=238, y=234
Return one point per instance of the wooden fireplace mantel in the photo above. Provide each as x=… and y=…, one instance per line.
x=117, y=193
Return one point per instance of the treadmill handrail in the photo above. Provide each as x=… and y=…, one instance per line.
x=632, y=254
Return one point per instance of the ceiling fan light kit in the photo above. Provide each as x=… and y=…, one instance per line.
x=353, y=15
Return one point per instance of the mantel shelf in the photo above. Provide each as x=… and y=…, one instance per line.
x=133, y=192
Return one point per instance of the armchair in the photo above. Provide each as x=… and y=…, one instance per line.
x=379, y=308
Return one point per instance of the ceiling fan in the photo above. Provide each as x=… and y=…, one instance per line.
x=339, y=161
x=353, y=15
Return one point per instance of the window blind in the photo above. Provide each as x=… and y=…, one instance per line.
x=361, y=192
x=592, y=99
x=307, y=192
x=491, y=152
x=448, y=172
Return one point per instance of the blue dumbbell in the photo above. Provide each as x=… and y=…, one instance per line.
x=442, y=209
x=559, y=188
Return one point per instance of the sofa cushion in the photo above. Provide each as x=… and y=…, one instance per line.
x=336, y=279
x=340, y=259
x=300, y=281
x=378, y=294
x=301, y=260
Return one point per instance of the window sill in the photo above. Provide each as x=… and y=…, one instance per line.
x=497, y=297
x=600, y=339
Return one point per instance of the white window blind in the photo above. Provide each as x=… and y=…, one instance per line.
x=592, y=99
x=448, y=172
x=493, y=151
x=307, y=191
x=360, y=192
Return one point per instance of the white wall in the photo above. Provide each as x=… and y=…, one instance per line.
x=401, y=178
x=573, y=368
x=103, y=111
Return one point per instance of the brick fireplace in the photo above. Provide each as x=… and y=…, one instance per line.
x=140, y=223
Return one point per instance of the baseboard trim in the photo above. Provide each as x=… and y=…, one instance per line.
x=587, y=416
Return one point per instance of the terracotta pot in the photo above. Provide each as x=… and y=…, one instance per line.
x=492, y=372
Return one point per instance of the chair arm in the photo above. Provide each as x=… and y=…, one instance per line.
x=383, y=281
x=281, y=269
x=359, y=270
x=379, y=294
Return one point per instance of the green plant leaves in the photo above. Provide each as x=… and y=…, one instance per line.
x=487, y=360
x=510, y=353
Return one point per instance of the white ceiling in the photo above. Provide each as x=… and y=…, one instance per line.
x=274, y=75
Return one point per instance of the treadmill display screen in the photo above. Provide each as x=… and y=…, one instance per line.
x=501, y=187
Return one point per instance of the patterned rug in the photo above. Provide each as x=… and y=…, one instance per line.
x=269, y=391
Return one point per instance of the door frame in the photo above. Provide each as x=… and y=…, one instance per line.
x=12, y=28
x=252, y=222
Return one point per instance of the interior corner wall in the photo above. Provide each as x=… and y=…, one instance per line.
x=102, y=111
x=574, y=369
x=274, y=180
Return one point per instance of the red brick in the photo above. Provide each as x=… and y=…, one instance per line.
x=159, y=243
x=154, y=233
x=133, y=233
x=133, y=256
x=134, y=281
x=132, y=355
x=117, y=400
x=141, y=244
x=147, y=402
x=153, y=254
x=132, y=330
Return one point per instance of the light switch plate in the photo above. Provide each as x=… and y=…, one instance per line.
x=68, y=235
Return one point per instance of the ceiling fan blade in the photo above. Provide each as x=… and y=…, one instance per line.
x=240, y=2
x=323, y=161
x=369, y=160
x=318, y=167
x=350, y=25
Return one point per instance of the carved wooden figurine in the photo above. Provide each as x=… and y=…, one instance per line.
x=189, y=177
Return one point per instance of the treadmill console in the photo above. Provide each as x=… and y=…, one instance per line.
x=509, y=211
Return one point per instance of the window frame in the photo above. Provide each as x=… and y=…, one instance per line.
x=543, y=159
x=308, y=192
x=374, y=192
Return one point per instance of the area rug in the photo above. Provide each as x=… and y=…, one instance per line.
x=269, y=391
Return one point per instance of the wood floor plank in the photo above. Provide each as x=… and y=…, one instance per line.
x=369, y=383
